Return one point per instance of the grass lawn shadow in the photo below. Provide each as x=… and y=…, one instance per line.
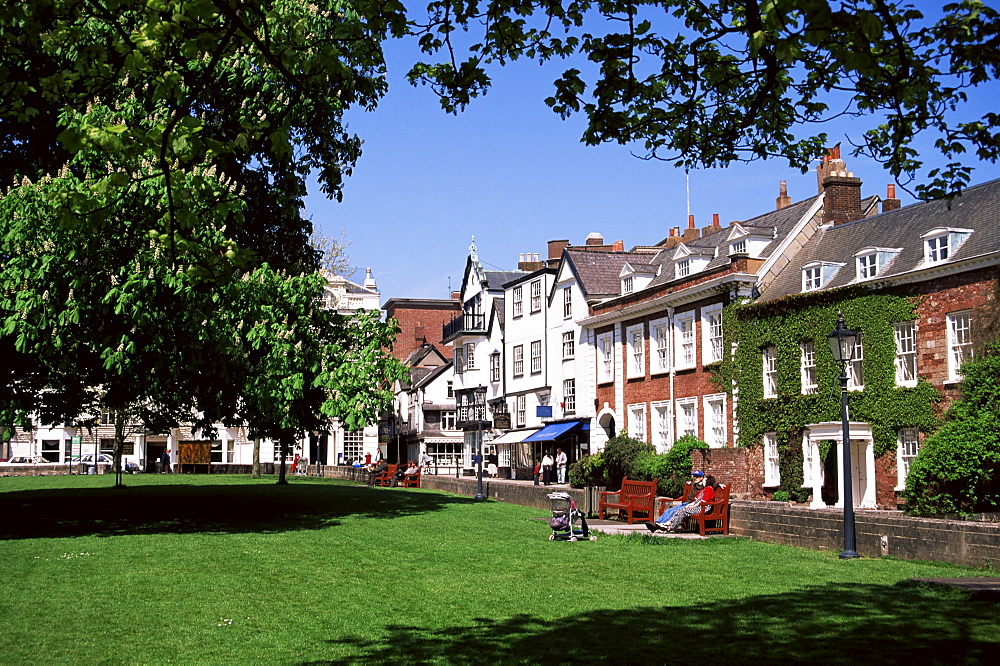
x=832, y=623
x=191, y=508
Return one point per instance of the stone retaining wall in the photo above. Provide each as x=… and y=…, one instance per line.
x=968, y=543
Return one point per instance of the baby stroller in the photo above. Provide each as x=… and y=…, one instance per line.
x=565, y=517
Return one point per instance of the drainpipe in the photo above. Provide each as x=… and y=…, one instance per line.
x=673, y=371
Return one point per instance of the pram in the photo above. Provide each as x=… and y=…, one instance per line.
x=565, y=516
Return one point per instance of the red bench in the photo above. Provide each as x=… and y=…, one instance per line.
x=635, y=497
x=663, y=502
x=411, y=480
x=385, y=478
x=716, y=512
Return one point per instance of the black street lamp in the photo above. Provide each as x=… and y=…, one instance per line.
x=842, y=343
x=472, y=410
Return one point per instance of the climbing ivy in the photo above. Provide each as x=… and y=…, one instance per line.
x=784, y=325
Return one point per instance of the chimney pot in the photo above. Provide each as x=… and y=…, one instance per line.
x=690, y=221
x=891, y=191
x=715, y=219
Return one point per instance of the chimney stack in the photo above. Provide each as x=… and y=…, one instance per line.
x=556, y=248
x=841, y=190
x=830, y=165
x=890, y=202
x=594, y=238
x=783, y=200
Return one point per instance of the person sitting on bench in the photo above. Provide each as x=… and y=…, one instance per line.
x=673, y=517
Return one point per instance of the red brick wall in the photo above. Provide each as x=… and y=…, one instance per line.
x=733, y=466
x=421, y=320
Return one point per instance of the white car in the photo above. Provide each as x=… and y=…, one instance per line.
x=128, y=466
x=27, y=460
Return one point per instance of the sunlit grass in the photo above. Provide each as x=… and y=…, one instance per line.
x=220, y=568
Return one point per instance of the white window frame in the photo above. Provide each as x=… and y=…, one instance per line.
x=637, y=421
x=738, y=247
x=769, y=356
x=520, y=409
x=867, y=266
x=711, y=334
x=685, y=346
x=568, y=345
x=636, y=351
x=494, y=367
x=942, y=243
x=568, y=302
x=605, y=357
x=683, y=268
x=663, y=425
x=459, y=360
x=536, y=357
x=517, y=297
x=905, y=334
x=807, y=367
x=716, y=426
x=518, y=365
x=807, y=463
x=907, y=447
x=536, y=295
x=959, y=334
x=687, y=417
x=772, y=461
x=569, y=396
x=659, y=346
x=449, y=420
x=855, y=367
x=812, y=278
x=628, y=284
x=470, y=355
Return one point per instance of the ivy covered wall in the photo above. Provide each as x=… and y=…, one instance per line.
x=786, y=323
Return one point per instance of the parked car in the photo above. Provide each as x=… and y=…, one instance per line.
x=128, y=466
x=27, y=460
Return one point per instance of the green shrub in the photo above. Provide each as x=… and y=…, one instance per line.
x=958, y=468
x=588, y=471
x=782, y=496
x=621, y=455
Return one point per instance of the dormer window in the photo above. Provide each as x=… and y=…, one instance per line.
x=818, y=274
x=739, y=247
x=941, y=243
x=628, y=285
x=749, y=240
x=684, y=268
x=636, y=276
x=871, y=260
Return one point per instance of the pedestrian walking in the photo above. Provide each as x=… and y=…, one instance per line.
x=561, y=463
x=547, y=463
x=165, y=462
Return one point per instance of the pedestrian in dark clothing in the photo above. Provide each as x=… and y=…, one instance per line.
x=165, y=462
x=536, y=471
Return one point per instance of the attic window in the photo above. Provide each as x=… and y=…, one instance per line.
x=684, y=268
x=870, y=261
x=818, y=274
x=627, y=285
x=739, y=247
x=941, y=243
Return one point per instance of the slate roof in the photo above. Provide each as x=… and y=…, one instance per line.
x=978, y=208
x=428, y=375
x=496, y=279
x=597, y=272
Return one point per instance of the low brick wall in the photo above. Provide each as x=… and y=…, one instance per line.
x=968, y=543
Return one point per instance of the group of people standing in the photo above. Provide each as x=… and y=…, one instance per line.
x=543, y=468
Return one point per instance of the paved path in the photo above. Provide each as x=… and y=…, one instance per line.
x=982, y=589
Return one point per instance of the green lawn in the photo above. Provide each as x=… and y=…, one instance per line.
x=219, y=568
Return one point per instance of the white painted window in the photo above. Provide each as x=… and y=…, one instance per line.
x=867, y=266
x=536, y=295
x=459, y=361
x=470, y=355
x=628, y=284
x=807, y=371
x=683, y=268
x=605, y=357
x=687, y=417
x=812, y=278
x=518, y=298
x=738, y=247
x=568, y=302
x=772, y=469
x=907, y=448
x=536, y=356
x=684, y=350
x=494, y=367
x=636, y=351
x=959, y=342
x=354, y=444
x=855, y=373
x=906, y=353
x=941, y=243
x=518, y=360
x=520, y=409
x=637, y=422
x=716, y=433
x=770, y=357
x=568, y=344
x=569, y=396
x=660, y=353
x=711, y=334
x=448, y=420
x=662, y=426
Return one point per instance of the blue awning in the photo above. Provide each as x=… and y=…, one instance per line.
x=555, y=430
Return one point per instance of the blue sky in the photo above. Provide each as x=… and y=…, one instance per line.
x=510, y=172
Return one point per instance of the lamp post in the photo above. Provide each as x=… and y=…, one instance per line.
x=842, y=342
x=479, y=395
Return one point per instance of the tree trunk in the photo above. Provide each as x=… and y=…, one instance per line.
x=255, y=467
x=283, y=446
x=117, y=452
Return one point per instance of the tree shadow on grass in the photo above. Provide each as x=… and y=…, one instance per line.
x=183, y=509
x=833, y=623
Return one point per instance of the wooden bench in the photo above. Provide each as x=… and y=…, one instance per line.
x=385, y=478
x=663, y=502
x=635, y=497
x=411, y=480
x=716, y=512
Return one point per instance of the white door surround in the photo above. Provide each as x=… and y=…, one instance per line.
x=862, y=461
